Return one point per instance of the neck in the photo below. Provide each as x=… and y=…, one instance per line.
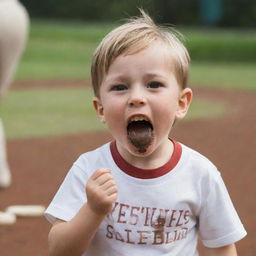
x=160, y=156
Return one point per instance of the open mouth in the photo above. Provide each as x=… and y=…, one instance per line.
x=140, y=133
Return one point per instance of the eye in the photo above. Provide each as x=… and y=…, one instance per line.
x=154, y=85
x=119, y=87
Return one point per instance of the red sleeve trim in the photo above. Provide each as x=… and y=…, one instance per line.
x=146, y=173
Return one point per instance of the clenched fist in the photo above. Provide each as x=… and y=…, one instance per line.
x=101, y=191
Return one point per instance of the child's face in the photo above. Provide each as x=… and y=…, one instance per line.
x=140, y=99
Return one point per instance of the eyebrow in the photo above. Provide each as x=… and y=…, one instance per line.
x=147, y=75
x=153, y=75
x=117, y=78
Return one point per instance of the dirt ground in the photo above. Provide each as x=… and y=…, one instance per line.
x=39, y=165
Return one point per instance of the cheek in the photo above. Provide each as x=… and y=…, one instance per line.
x=166, y=106
x=109, y=104
x=166, y=114
x=113, y=114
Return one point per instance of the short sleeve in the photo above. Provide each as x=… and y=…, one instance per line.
x=219, y=224
x=70, y=197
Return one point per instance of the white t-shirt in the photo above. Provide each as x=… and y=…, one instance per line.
x=157, y=212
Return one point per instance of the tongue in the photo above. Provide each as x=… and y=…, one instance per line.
x=140, y=134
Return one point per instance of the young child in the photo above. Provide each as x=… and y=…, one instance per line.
x=143, y=193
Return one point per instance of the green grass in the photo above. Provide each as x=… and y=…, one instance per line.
x=239, y=76
x=63, y=50
x=60, y=50
x=49, y=112
x=205, y=109
x=30, y=113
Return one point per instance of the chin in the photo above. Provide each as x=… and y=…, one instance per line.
x=141, y=152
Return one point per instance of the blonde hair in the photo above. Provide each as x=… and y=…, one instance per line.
x=135, y=35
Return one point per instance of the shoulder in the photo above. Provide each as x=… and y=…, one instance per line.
x=196, y=157
x=197, y=163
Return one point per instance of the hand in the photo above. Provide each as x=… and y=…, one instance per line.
x=101, y=191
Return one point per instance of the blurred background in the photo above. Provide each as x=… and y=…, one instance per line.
x=49, y=119
x=221, y=13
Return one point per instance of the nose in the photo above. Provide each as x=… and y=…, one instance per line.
x=137, y=98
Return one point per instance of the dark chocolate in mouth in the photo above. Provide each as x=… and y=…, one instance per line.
x=140, y=134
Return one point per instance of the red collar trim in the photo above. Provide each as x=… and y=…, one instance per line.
x=146, y=173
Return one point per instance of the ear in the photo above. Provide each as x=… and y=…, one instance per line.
x=98, y=108
x=185, y=99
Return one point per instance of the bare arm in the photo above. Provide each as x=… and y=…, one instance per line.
x=229, y=250
x=73, y=237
